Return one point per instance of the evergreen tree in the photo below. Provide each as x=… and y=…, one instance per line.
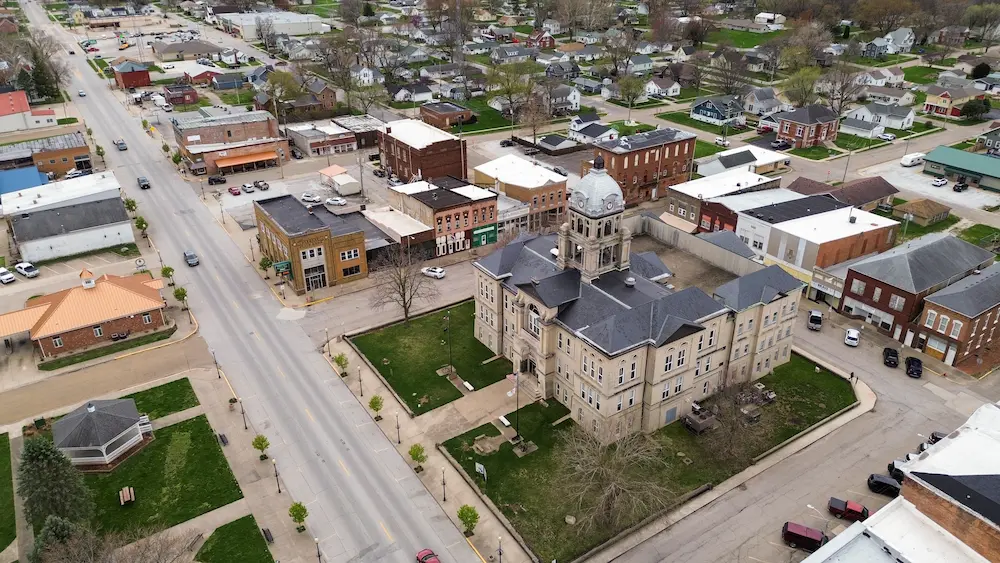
x=46, y=85
x=25, y=82
x=56, y=530
x=50, y=485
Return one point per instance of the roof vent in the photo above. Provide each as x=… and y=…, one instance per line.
x=976, y=272
x=91, y=407
x=852, y=219
x=630, y=282
x=534, y=281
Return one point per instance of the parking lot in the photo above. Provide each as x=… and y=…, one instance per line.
x=491, y=150
x=913, y=180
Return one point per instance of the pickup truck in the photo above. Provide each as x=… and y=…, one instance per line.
x=847, y=509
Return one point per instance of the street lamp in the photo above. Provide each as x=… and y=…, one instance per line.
x=217, y=370
x=318, y=556
x=274, y=462
x=252, y=258
x=500, y=548
x=398, y=441
x=361, y=382
x=243, y=412
x=444, y=491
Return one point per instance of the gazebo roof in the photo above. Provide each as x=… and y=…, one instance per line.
x=95, y=424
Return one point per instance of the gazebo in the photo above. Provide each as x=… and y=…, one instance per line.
x=99, y=432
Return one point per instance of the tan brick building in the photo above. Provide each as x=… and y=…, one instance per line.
x=414, y=150
x=231, y=143
x=312, y=247
x=95, y=313
x=541, y=188
x=644, y=164
x=57, y=154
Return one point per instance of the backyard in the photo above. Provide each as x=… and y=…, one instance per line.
x=741, y=39
x=7, y=527
x=887, y=60
x=920, y=74
x=704, y=148
x=818, y=152
x=642, y=105
x=682, y=118
x=486, y=117
x=416, y=350
x=692, y=93
x=166, y=399
x=236, y=97
x=236, y=542
x=201, y=103
x=526, y=489
x=179, y=475
x=850, y=142
x=974, y=234
x=918, y=127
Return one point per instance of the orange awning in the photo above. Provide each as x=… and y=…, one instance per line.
x=247, y=159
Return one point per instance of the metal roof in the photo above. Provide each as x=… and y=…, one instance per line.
x=95, y=424
x=976, y=163
x=65, y=220
x=924, y=262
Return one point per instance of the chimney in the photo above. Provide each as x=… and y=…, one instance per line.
x=87, y=279
x=852, y=219
x=91, y=407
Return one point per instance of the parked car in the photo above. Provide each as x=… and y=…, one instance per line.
x=780, y=145
x=894, y=471
x=74, y=173
x=309, y=197
x=847, y=509
x=72, y=52
x=883, y=485
x=190, y=258
x=887, y=137
x=261, y=185
x=852, y=337
x=560, y=170
x=120, y=144
x=143, y=183
x=296, y=154
x=374, y=157
x=247, y=188
x=960, y=187
x=213, y=180
x=722, y=142
x=235, y=190
x=168, y=108
x=82, y=94
x=815, y=320
x=914, y=367
x=92, y=49
x=167, y=67
x=507, y=143
x=433, y=272
x=938, y=182
x=26, y=269
x=395, y=181
x=6, y=277
x=531, y=151
x=335, y=201
x=797, y=535
x=937, y=437
x=890, y=357
x=427, y=556
x=379, y=173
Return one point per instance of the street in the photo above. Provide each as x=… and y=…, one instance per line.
x=358, y=510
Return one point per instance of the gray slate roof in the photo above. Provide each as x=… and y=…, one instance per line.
x=729, y=241
x=72, y=218
x=594, y=130
x=737, y=159
x=638, y=141
x=809, y=115
x=759, y=287
x=924, y=262
x=889, y=109
x=971, y=296
x=859, y=124
x=648, y=265
x=84, y=429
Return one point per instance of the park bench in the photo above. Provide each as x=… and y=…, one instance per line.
x=468, y=386
x=223, y=439
x=505, y=422
x=127, y=494
x=267, y=535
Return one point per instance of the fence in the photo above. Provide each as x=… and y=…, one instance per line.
x=671, y=236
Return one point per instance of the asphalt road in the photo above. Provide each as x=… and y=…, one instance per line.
x=365, y=503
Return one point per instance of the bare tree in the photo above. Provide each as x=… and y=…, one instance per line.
x=770, y=51
x=698, y=63
x=935, y=57
x=842, y=86
x=731, y=72
x=338, y=55
x=885, y=16
x=569, y=13
x=810, y=38
x=436, y=11
x=351, y=10
x=399, y=281
x=614, y=476
x=696, y=31
x=597, y=14
x=985, y=19
x=620, y=49
x=511, y=84
x=368, y=96
x=534, y=115
x=265, y=32
x=133, y=546
x=736, y=439
x=281, y=87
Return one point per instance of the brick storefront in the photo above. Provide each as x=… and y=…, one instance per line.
x=81, y=338
x=410, y=151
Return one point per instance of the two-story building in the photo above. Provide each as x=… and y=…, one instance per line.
x=888, y=290
x=722, y=213
x=754, y=225
x=228, y=143
x=807, y=126
x=959, y=322
x=949, y=101
x=523, y=180
x=644, y=164
x=684, y=199
x=412, y=149
x=462, y=217
x=718, y=110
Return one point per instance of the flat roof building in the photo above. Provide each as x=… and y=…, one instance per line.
x=284, y=23
x=462, y=216
x=543, y=189
x=977, y=169
x=749, y=158
x=413, y=150
x=57, y=154
x=685, y=200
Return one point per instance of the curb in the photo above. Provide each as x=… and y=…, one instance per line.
x=194, y=330
x=377, y=373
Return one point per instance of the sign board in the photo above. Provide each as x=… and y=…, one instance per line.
x=481, y=469
x=282, y=267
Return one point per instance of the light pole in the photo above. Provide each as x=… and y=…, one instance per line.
x=328, y=349
x=319, y=557
x=274, y=461
x=243, y=412
x=907, y=217
x=361, y=383
x=451, y=368
x=217, y=370
x=398, y=440
x=444, y=490
x=252, y=258
x=222, y=212
x=500, y=548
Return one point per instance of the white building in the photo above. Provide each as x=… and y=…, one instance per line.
x=512, y=215
x=99, y=432
x=17, y=115
x=366, y=76
x=887, y=115
x=721, y=184
x=287, y=23
x=754, y=225
x=94, y=187
x=750, y=158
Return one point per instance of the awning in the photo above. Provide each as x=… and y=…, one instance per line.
x=17, y=322
x=238, y=160
x=677, y=222
x=331, y=171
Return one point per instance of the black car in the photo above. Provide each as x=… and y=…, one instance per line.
x=296, y=154
x=506, y=143
x=914, y=367
x=213, y=180
x=374, y=157
x=72, y=52
x=379, y=173
x=937, y=437
x=890, y=357
x=143, y=183
x=894, y=471
x=883, y=485
x=960, y=187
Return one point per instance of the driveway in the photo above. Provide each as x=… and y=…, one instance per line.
x=914, y=181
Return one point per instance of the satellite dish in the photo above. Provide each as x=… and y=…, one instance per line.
x=140, y=262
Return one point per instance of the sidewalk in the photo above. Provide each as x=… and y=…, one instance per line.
x=430, y=429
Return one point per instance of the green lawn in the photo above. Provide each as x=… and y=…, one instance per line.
x=898, y=201
x=486, y=117
x=8, y=530
x=814, y=153
x=973, y=234
x=850, y=142
x=165, y=399
x=154, y=68
x=628, y=129
x=66, y=121
x=965, y=122
x=919, y=98
x=101, y=63
x=523, y=29
x=691, y=93
x=527, y=490
x=962, y=145
x=890, y=60
x=201, y=103
x=236, y=97
x=418, y=349
x=918, y=127
x=119, y=346
x=180, y=475
x=646, y=104
x=920, y=74
x=239, y=541
x=914, y=230
x=742, y=39
x=682, y=118
x=704, y=148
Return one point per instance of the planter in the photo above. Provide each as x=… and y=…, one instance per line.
x=418, y=469
x=378, y=417
x=263, y=457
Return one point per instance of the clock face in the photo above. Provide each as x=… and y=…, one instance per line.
x=611, y=205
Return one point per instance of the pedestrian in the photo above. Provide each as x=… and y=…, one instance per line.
x=852, y=377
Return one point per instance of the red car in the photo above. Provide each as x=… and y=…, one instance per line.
x=235, y=190
x=93, y=50
x=847, y=509
x=427, y=556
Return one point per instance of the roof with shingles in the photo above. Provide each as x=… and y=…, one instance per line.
x=760, y=287
x=924, y=262
x=95, y=424
x=971, y=296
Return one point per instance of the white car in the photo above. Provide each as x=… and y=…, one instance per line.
x=395, y=182
x=721, y=142
x=433, y=272
x=938, y=182
x=167, y=67
x=852, y=337
x=310, y=198
x=26, y=269
x=887, y=137
x=336, y=201
x=82, y=94
x=6, y=277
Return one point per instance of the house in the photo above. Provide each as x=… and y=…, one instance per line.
x=233, y=57
x=479, y=48
x=989, y=83
x=966, y=63
x=555, y=142
x=482, y=15
x=888, y=290
x=743, y=25
x=563, y=99
x=526, y=181
x=976, y=169
x=769, y=18
x=888, y=115
x=511, y=54
x=417, y=93
x=901, y=40
x=563, y=70
x=874, y=77
x=659, y=159
x=325, y=93
x=923, y=212
x=990, y=140
x=612, y=92
x=646, y=48
x=256, y=76
x=96, y=312
x=877, y=48
x=444, y=115
x=16, y=113
x=587, y=54
x=588, y=85
x=552, y=26
x=949, y=101
x=540, y=39
x=546, y=59
x=639, y=64
x=8, y=26
x=593, y=133
x=683, y=54
x=896, y=77
x=863, y=129
x=501, y=34
x=101, y=431
x=717, y=110
x=412, y=54
x=664, y=87
x=889, y=95
x=509, y=20
x=764, y=101
x=587, y=37
x=582, y=120
x=231, y=81
x=807, y=126
x=748, y=157
x=180, y=94
x=954, y=35
x=366, y=76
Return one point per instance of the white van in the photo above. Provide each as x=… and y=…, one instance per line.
x=913, y=159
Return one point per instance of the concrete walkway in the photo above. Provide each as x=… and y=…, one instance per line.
x=9, y=554
x=207, y=523
x=177, y=417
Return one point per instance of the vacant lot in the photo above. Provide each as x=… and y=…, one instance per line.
x=920, y=74
x=416, y=350
x=742, y=39
x=682, y=118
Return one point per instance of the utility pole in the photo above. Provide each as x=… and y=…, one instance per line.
x=361, y=170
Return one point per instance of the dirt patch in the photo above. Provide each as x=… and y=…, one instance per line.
x=688, y=269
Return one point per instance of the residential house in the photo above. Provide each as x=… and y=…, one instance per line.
x=923, y=212
x=412, y=54
x=570, y=47
x=989, y=83
x=683, y=54
x=563, y=99
x=324, y=92
x=563, y=70
x=511, y=54
x=863, y=129
x=588, y=85
x=896, y=77
x=639, y=64
x=555, y=142
x=807, y=126
x=500, y=34
x=540, y=39
x=509, y=20
x=587, y=37
x=366, y=76
x=646, y=48
x=613, y=92
x=8, y=26
x=663, y=87
x=743, y=25
x=954, y=35
x=548, y=59
x=889, y=96
x=718, y=110
x=901, y=40
x=593, y=133
x=531, y=183
x=482, y=15
x=416, y=93
x=257, y=75
x=748, y=157
x=949, y=101
x=180, y=94
x=552, y=26
x=877, y=49
x=479, y=48
x=754, y=63
x=888, y=115
x=233, y=57
x=769, y=18
x=764, y=101
x=966, y=63
x=230, y=81
x=990, y=140
x=582, y=120
x=448, y=70
x=646, y=164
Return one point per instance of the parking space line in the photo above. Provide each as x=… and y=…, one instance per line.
x=779, y=545
x=99, y=257
x=862, y=494
x=51, y=270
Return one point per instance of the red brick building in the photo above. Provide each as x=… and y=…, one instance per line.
x=180, y=94
x=97, y=312
x=807, y=126
x=444, y=115
x=231, y=143
x=540, y=39
x=412, y=149
x=644, y=164
x=131, y=75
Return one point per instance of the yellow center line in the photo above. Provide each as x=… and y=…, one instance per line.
x=281, y=373
x=386, y=530
x=256, y=335
x=235, y=304
x=344, y=467
x=310, y=415
x=217, y=278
